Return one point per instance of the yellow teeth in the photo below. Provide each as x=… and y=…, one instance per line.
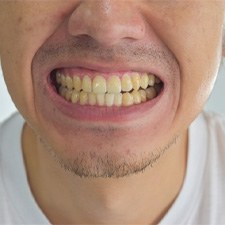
x=133, y=88
x=99, y=85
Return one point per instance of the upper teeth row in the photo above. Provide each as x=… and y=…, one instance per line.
x=99, y=85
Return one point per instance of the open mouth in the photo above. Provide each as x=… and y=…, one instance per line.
x=99, y=89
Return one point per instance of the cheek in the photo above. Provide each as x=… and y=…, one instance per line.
x=197, y=48
x=25, y=32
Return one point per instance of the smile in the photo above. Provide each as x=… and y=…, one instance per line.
x=96, y=89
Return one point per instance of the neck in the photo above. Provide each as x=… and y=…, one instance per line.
x=142, y=198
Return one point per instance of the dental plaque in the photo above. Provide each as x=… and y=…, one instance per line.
x=130, y=89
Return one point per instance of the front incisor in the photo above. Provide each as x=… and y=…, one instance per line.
x=99, y=85
x=113, y=84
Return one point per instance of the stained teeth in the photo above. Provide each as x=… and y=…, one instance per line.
x=75, y=97
x=109, y=99
x=136, y=97
x=99, y=85
x=77, y=83
x=144, y=81
x=143, y=95
x=129, y=90
x=113, y=84
x=58, y=77
x=68, y=95
x=83, y=98
x=150, y=93
x=127, y=99
x=69, y=83
x=126, y=83
x=151, y=80
x=86, y=84
x=63, y=80
x=135, y=78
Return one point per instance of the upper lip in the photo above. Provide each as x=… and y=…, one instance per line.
x=102, y=67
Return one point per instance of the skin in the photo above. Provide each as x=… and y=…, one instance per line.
x=192, y=55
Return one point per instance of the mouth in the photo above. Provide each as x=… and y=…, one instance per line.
x=91, y=88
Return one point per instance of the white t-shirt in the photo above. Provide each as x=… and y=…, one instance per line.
x=201, y=200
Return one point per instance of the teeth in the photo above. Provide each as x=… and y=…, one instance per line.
x=118, y=99
x=99, y=85
x=63, y=80
x=136, y=97
x=126, y=83
x=143, y=95
x=109, y=99
x=69, y=83
x=77, y=83
x=58, y=77
x=68, y=95
x=92, y=98
x=75, y=97
x=83, y=98
x=135, y=89
x=114, y=85
x=150, y=93
x=127, y=99
x=144, y=81
x=135, y=78
x=62, y=91
x=86, y=84
x=100, y=99
x=151, y=80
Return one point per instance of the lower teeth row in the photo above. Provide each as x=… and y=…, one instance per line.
x=109, y=99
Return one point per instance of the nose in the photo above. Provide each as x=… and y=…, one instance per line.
x=107, y=21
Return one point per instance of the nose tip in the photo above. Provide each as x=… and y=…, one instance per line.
x=107, y=24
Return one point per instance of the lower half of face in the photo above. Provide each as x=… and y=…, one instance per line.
x=106, y=107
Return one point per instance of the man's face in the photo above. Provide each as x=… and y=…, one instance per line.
x=101, y=129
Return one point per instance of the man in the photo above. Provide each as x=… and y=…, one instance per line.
x=111, y=93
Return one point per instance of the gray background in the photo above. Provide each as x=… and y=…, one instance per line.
x=216, y=101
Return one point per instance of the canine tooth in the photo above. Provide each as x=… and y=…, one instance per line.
x=75, y=97
x=126, y=83
x=92, y=98
x=143, y=95
x=83, y=98
x=113, y=84
x=77, y=83
x=150, y=93
x=100, y=99
x=62, y=91
x=63, y=80
x=68, y=95
x=144, y=81
x=58, y=77
x=86, y=84
x=136, y=97
x=99, y=85
x=135, y=78
x=127, y=99
x=69, y=83
x=118, y=99
x=109, y=99
x=151, y=80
